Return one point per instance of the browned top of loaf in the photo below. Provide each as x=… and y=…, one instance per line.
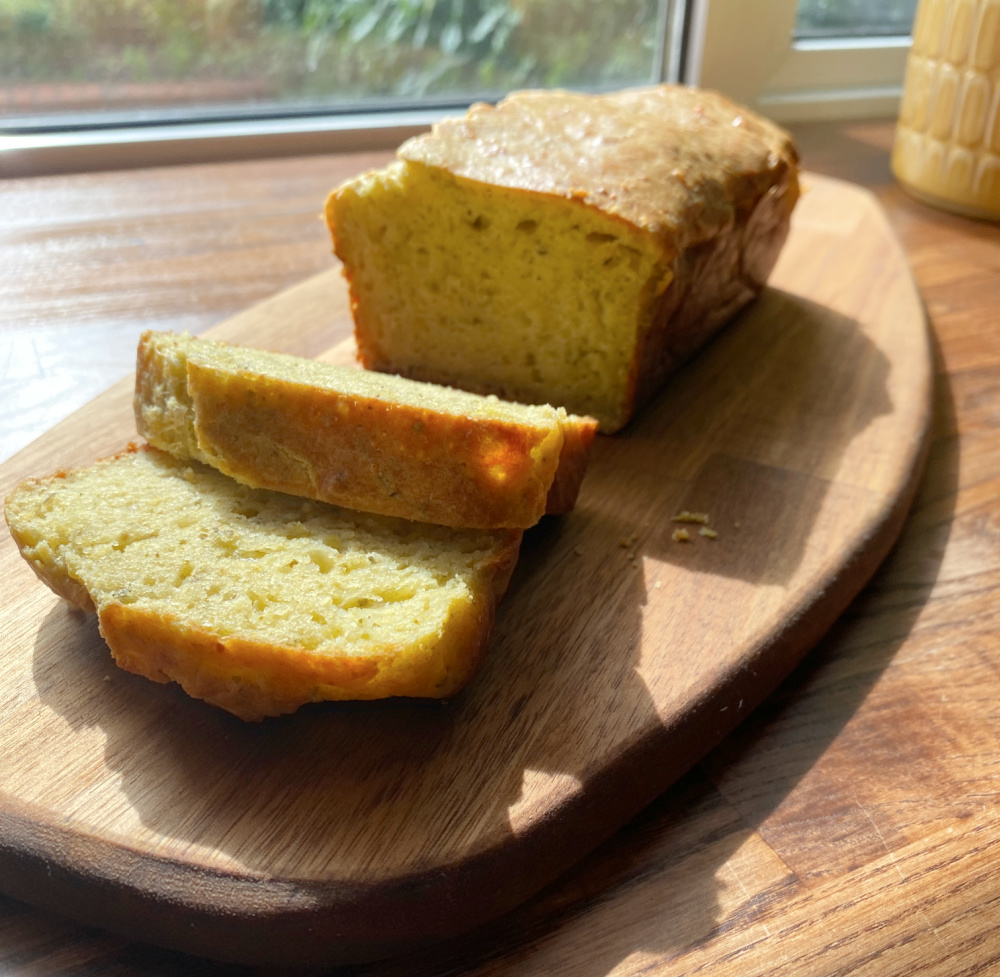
x=675, y=161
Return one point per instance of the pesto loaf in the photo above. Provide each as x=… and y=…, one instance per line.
x=564, y=248
x=367, y=441
x=255, y=601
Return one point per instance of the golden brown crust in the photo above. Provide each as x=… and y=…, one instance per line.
x=577, y=441
x=253, y=680
x=671, y=160
x=713, y=281
x=370, y=453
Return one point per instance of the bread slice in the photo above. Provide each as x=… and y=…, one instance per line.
x=368, y=441
x=256, y=601
x=564, y=248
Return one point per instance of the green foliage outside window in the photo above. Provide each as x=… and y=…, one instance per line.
x=287, y=50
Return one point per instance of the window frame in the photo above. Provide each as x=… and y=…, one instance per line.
x=747, y=49
x=128, y=147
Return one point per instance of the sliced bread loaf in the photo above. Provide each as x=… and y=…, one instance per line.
x=368, y=441
x=565, y=248
x=256, y=601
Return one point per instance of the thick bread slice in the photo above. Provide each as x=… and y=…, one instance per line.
x=368, y=441
x=565, y=248
x=256, y=601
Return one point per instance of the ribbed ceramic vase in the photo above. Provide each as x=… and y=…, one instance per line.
x=947, y=149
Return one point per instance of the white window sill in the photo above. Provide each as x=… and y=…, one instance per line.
x=37, y=154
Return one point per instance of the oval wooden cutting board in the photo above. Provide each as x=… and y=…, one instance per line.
x=349, y=831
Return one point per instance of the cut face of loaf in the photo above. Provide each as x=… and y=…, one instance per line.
x=367, y=441
x=564, y=248
x=255, y=601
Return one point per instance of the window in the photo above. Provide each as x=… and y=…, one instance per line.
x=111, y=83
x=805, y=60
x=69, y=56
x=300, y=69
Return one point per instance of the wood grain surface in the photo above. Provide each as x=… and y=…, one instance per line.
x=620, y=656
x=849, y=825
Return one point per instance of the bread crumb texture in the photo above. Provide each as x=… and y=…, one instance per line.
x=368, y=441
x=493, y=287
x=257, y=601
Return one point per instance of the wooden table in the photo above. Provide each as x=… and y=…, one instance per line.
x=849, y=826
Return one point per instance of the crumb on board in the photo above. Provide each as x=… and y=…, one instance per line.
x=626, y=541
x=657, y=585
x=707, y=533
x=578, y=550
x=681, y=536
x=700, y=518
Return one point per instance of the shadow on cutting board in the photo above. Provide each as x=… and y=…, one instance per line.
x=669, y=881
x=357, y=791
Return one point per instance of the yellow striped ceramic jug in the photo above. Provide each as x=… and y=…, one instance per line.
x=947, y=149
